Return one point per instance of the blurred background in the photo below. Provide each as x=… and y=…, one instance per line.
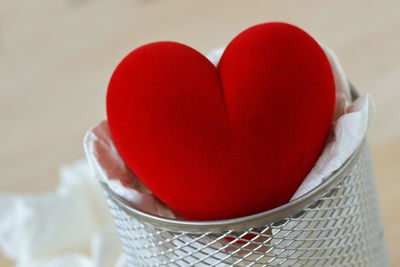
x=56, y=57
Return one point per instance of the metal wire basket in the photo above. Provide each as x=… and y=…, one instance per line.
x=336, y=224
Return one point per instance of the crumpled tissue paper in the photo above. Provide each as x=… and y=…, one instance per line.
x=69, y=227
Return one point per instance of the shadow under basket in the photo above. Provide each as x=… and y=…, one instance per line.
x=336, y=224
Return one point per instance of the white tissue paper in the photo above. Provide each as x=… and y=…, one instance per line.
x=72, y=226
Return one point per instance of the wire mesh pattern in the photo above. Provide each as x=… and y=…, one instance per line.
x=341, y=228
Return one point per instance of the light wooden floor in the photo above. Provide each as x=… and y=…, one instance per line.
x=56, y=57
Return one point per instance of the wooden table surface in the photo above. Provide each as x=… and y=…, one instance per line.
x=56, y=57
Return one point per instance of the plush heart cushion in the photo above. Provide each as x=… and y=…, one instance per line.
x=217, y=143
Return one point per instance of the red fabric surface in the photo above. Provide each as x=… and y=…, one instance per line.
x=217, y=143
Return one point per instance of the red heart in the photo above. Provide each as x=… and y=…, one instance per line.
x=217, y=143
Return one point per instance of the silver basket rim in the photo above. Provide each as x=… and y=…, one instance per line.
x=273, y=216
